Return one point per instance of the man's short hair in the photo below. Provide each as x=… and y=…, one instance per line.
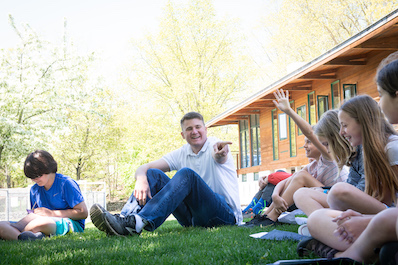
x=192, y=115
x=38, y=163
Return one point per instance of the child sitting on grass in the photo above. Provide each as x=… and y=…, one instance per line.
x=350, y=234
x=324, y=171
x=57, y=203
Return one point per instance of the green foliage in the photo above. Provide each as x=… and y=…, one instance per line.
x=169, y=244
x=303, y=30
x=38, y=82
x=195, y=63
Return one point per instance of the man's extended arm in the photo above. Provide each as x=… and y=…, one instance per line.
x=141, y=190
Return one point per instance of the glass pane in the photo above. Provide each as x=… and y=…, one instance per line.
x=311, y=104
x=349, y=91
x=302, y=113
x=256, y=174
x=323, y=105
x=282, y=126
x=275, y=134
x=336, y=94
x=293, y=144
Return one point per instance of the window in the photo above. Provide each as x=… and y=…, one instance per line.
x=323, y=105
x=255, y=138
x=349, y=90
x=311, y=106
x=282, y=126
x=292, y=134
x=256, y=176
x=335, y=94
x=244, y=143
x=275, y=134
x=302, y=113
x=244, y=178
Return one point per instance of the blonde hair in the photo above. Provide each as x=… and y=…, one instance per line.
x=329, y=128
x=379, y=175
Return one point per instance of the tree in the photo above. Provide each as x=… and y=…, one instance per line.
x=37, y=85
x=302, y=30
x=195, y=63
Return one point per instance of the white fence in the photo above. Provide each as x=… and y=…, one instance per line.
x=15, y=202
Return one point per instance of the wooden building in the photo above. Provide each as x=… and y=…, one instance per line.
x=270, y=140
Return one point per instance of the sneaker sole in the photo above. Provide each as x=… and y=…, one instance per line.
x=98, y=219
x=110, y=228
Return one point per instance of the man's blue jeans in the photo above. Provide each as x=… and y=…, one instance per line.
x=187, y=197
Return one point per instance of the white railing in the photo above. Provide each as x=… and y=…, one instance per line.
x=15, y=202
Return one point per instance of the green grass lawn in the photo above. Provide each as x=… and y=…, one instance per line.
x=169, y=244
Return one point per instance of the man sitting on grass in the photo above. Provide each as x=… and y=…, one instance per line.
x=204, y=191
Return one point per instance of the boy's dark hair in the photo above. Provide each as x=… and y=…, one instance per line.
x=38, y=163
x=190, y=116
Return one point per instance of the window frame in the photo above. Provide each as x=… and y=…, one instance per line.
x=311, y=121
x=327, y=104
x=334, y=105
x=303, y=115
x=350, y=86
x=292, y=133
x=274, y=126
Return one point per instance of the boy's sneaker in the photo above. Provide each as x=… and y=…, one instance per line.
x=29, y=235
x=97, y=213
x=306, y=246
x=248, y=214
x=260, y=220
x=120, y=226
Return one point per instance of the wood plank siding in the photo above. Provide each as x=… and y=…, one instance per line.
x=353, y=62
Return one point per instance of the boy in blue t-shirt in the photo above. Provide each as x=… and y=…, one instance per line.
x=57, y=204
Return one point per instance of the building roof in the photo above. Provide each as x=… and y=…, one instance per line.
x=382, y=35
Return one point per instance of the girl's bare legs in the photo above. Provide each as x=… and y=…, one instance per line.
x=322, y=228
x=310, y=199
x=382, y=229
x=301, y=179
x=344, y=196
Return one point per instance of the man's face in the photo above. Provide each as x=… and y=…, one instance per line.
x=195, y=133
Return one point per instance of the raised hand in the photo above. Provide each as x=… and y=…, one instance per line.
x=282, y=100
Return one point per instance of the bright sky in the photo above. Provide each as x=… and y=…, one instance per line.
x=106, y=26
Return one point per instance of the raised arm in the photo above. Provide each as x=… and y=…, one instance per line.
x=141, y=190
x=282, y=103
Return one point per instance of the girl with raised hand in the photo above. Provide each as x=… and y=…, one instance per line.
x=324, y=171
x=362, y=122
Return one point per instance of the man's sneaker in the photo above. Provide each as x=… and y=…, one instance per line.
x=260, y=220
x=29, y=235
x=97, y=213
x=306, y=246
x=120, y=226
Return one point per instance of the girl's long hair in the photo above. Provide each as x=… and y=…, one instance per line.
x=379, y=175
x=329, y=128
